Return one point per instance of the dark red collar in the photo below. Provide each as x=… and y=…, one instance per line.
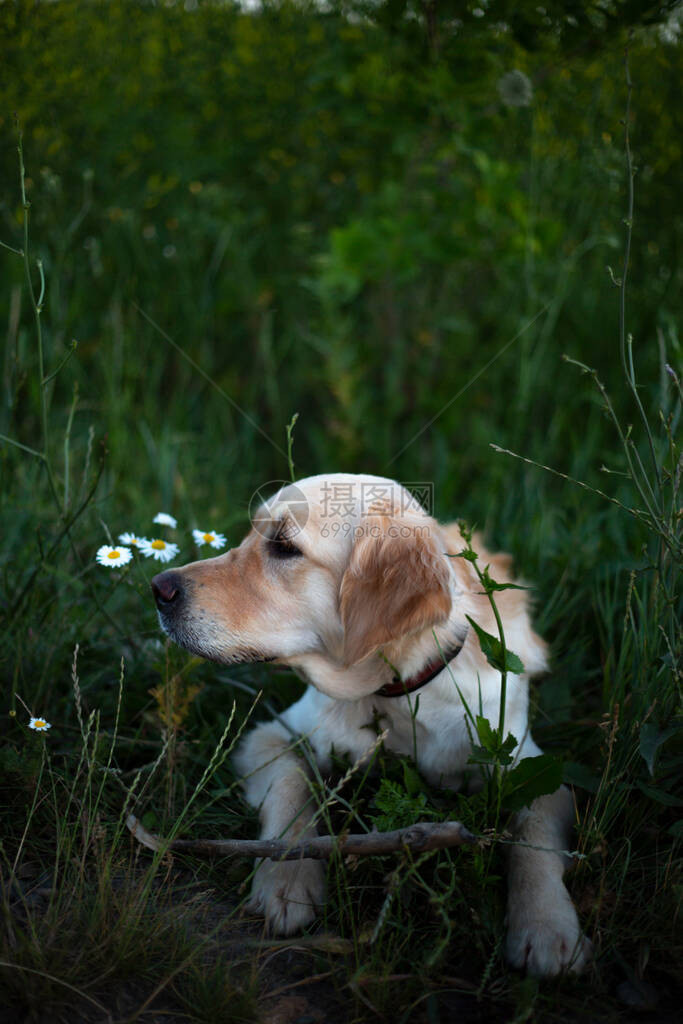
x=400, y=687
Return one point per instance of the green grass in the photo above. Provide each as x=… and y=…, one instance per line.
x=324, y=221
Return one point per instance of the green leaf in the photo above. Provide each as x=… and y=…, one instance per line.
x=651, y=739
x=579, y=775
x=532, y=777
x=509, y=744
x=491, y=584
x=494, y=585
x=493, y=651
x=411, y=780
x=480, y=755
x=387, y=795
x=676, y=829
x=492, y=750
x=469, y=556
x=660, y=795
x=398, y=807
x=487, y=735
x=150, y=820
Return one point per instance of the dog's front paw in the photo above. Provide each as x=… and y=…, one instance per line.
x=287, y=893
x=544, y=937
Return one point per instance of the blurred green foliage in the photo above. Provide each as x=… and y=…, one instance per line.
x=328, y=218
x=393, y=225
x=328, y=222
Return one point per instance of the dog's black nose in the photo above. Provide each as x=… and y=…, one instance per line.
x=167, y=588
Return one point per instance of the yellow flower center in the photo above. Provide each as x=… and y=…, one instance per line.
x=208, y=537
x=114, y=554
x=158, y=545
x=40, y=723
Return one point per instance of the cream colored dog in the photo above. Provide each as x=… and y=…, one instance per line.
x=347, y=579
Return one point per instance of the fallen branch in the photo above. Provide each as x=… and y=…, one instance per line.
x=418, y=838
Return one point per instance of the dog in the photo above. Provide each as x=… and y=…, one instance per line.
x=348, y=580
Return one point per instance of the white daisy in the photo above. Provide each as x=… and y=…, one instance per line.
x=39, y=724
x=216, y=540
x=159, y=549
x=113, y=557
x=164, y=519
x=131, y=539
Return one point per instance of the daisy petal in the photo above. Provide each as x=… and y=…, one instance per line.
x=39, y=724
x=131, y=539
x=159, y=549
x=215, y=540
x=113, y=557
x=164, y=519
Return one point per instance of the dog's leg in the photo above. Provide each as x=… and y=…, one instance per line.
x=543, y=929
x=275, y=780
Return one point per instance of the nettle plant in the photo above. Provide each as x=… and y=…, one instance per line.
x=510, y=788
x=507, y=787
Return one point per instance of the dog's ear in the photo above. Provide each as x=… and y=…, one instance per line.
x=396, y=583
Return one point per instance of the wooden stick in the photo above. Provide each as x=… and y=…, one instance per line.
x=422, y=836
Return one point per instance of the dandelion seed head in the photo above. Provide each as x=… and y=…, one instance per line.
x=515, y=89
x=672, y=29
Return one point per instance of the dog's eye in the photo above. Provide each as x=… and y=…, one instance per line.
x=280, y=547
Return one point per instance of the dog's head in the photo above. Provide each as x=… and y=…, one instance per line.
x=336, y=566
